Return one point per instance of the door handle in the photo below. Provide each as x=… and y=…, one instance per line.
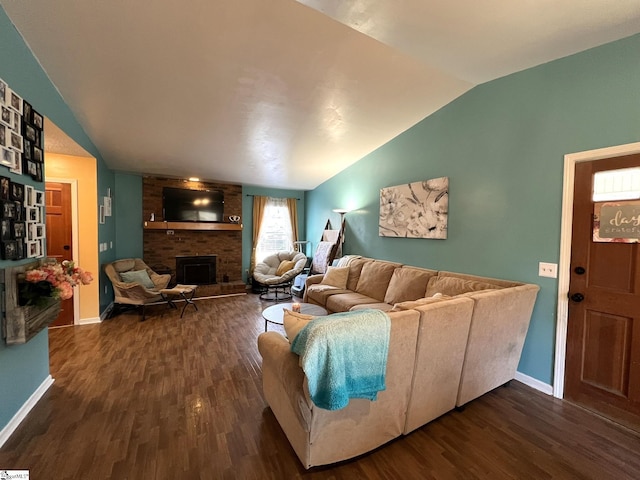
x=579, y=270
x=577, y=297
x=66, y=247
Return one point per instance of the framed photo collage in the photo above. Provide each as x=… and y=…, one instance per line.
x=22, y=214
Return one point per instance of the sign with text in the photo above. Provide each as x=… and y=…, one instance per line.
x=617, y=222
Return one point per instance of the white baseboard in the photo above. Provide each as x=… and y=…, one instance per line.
x=534, y=383
x=88, y=321
x=6, y=432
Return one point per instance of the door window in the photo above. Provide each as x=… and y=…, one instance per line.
x=615, y=185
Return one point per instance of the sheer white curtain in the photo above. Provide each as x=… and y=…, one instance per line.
x=276, y=233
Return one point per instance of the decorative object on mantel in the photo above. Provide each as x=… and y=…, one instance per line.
x=415, y=210
x=234, y=218
x=26, y=317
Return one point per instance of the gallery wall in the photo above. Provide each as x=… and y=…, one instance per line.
x=24, y=368
x=502, y=145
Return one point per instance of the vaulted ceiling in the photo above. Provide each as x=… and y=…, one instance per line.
x=281, y=93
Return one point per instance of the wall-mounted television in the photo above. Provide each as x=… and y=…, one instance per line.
x=183, y=205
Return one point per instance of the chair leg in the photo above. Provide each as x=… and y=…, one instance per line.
x=143, y=313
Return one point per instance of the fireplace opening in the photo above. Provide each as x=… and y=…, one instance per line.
x=196, y=269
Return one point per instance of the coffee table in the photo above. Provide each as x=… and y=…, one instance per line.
x=275, y=313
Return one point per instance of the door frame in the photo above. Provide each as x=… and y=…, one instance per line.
x=570, y=161
x=74, y=234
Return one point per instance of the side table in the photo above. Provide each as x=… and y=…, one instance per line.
x=186, y=292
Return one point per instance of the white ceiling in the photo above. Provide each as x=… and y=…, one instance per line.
x=281, y=93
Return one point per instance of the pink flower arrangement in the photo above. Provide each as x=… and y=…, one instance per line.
x=53, y=279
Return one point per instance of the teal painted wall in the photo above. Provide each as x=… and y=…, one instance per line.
x=247, y=217
x=23, y=368
x=128, y=201
x=502, y=145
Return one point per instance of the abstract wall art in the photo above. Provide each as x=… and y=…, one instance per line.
x=415, y=210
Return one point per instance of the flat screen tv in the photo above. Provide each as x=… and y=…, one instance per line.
x=182, y=205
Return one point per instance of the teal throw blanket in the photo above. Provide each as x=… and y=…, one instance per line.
x=344, y=356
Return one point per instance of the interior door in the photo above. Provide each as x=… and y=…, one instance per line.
x=59, y=236
x=602, y=371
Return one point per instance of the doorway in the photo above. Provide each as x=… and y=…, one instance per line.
x=607, y=380
x=61, y=221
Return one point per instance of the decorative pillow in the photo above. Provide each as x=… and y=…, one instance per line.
x=336, y=277
x=284, y=267
x=137, y=276
x=294, y=322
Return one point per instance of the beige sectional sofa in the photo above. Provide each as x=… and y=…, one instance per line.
x=444, y=351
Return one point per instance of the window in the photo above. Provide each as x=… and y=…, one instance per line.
x=276, y=234
x=616, y=185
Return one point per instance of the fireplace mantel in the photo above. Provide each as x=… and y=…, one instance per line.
x=204, y=226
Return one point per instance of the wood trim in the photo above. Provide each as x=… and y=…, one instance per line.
x=192, y=226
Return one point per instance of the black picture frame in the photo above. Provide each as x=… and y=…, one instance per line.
x=6, y=230
x=20, y=212
x=37, y=154
x=9, y=250
x=39, y=177
x=38, y=120
x=29, y=132
x=27, y=111
x=5, y=188
x=27, y=151
x=16, y=192
x=7, y=209
x=19, y=230
x=20, y=250
x=30, y=167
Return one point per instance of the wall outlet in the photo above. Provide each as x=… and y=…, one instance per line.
x=548, y=270
x=170, y=232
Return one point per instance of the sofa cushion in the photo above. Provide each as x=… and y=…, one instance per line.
x=284, y=267
x=374, y=279
x=336, y=277
x=453, y=286
x=294, y=322
x=137, y=276
x=319, y=293
x=342, y=302
x=407, y=283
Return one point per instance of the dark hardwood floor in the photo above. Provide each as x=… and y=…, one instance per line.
x=181, y=399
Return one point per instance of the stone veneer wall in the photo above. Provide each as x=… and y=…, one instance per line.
x=161, y=249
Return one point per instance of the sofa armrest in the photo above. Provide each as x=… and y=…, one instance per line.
x=314, y=279
x=311, y=280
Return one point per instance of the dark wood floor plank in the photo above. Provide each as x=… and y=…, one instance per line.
x=182, y=398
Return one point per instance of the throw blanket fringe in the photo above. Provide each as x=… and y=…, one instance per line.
x=344, y=356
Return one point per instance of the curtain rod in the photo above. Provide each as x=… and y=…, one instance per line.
x=251, y=195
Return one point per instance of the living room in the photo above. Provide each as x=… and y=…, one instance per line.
x=502, y=144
